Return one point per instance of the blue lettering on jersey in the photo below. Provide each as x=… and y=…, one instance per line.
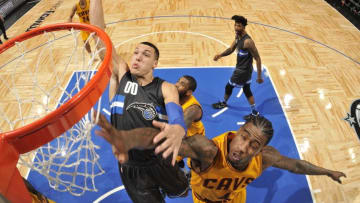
x=242, y=53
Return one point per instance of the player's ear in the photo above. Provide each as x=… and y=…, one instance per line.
x=189, y=92
x=155, y=63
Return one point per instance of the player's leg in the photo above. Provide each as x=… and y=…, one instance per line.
x=171, y=179
x=139, y=185
x=85, y=36
x=250, y=98
x=2, y=27
x=228, y=91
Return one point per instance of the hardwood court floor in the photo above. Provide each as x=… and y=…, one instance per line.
x=312, y=54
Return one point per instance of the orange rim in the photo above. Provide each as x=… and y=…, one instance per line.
x=55, y=123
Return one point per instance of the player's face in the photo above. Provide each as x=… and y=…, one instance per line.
x=248, y=143
x=239, y=28
x=182, y=86
x=143, y=60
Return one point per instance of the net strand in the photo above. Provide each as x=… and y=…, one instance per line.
x=69, y=162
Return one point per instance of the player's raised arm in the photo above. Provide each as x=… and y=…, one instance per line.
x=119, y=66
x=272, y=157
x=175, y=130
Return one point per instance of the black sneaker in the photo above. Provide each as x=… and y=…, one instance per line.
x=254, y=112
x=0, y=42
x=219, y=105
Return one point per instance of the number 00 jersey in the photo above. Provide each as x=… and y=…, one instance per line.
x=135, y=106
x=221, y=182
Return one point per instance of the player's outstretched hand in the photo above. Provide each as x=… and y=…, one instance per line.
x=217, y=57
x=336, y=175
x=173, y=135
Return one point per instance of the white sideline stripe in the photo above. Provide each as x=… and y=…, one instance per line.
x=240, y=92
x=240, y=123
x=106, y=111
x=219, y=112
x=293, y=135
x=117, y=104
x=109, y=193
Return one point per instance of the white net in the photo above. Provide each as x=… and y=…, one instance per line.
x=37, y=76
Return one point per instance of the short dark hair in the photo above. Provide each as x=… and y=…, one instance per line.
x=240, y=19
x=262, y=123
x=157, y=53
x=192, y=82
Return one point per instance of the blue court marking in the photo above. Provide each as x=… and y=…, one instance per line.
x=274, y=185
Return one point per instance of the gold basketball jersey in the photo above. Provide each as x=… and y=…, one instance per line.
x=83, y=13
x=222, y=182
x=196, y=127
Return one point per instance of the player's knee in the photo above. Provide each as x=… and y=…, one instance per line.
x=247, y=90
x=228, y=89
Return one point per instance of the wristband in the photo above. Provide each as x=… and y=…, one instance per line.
x=175, y=114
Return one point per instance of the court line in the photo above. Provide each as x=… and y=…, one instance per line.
x=102, y=197
x=173, y=31
x=256, y=23
x=223, y=110
x=293, y=136
x=214, y=17
x=240, y=92
x=219, y=112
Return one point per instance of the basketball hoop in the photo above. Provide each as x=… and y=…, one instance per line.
x=59, y=113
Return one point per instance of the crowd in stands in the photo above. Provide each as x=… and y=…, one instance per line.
x=353, y=5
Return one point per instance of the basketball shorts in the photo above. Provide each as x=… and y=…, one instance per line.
x=149, y=181
x=240, y=78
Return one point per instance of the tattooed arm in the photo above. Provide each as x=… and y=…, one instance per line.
x=201, y=150
x=198, y=147
x=272, y=157
x=191, y=114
